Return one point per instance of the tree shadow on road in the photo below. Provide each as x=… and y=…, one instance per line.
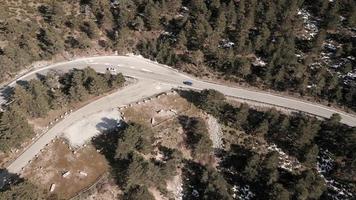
x=107, y=124
x=7, y=92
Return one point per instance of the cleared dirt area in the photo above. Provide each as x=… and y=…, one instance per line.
x=161, y=108
x=70, y=171
x=65, y=166
x=105, y=189
x=161, y=113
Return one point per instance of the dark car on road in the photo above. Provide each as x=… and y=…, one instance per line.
x=190, y=83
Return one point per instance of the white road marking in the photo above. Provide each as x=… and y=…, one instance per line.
x=145, y=70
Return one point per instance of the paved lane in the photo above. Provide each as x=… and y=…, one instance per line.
x=145, y=69
x=152, y=79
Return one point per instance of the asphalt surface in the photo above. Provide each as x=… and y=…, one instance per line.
x=152, y=78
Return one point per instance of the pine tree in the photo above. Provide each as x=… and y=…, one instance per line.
x=51, y=80
x=332, y=18
x=181, y=40
x=24, y=190
x=310, y=153
x=198, y=8
x=220, y=22
x=138, y=23
x=243, y=67
x=262, y=128
x=262, y=38
x=40, y=99
x=77, y=91
x=49, y=42
x=152, y=16
x=136, y=137
x=21, y=99
x=95, y=85
x=351, y=18
x=118, y=80
x=217, y=187
x=319, y=42
x=57, y=99
x=90, y=29
x=57, y=12
x=279, y=192
x=241, y=9
x=212, y=42
x=242, y=114
x=215, y=5
x=271, y=161
x=231, y=16
x=138, y=192
x=14, y=129
x=251, y=168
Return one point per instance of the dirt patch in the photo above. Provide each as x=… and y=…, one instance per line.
x=106, y=189
x=160, y=108
x=156, y=194
x=71, y=171
x=162, y=115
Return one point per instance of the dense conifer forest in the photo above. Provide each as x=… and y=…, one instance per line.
x=306, y=47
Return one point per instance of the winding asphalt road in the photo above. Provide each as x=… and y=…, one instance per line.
x=152, y=78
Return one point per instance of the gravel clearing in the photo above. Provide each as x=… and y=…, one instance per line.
x=83, y=130
x=175, y=186
x=215, y=132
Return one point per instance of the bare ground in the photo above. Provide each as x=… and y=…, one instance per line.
x=57, y=159
x=165, y=111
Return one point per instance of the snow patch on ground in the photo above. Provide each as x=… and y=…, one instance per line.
x=242, y=193
x=259, y=62
x=324, y=165
x=82, y=131
x=226, y=44
x=285, y=161
x=310, y=25
x=352, y=74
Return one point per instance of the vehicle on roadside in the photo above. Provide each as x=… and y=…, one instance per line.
x=190, y=83
x=111, y=69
